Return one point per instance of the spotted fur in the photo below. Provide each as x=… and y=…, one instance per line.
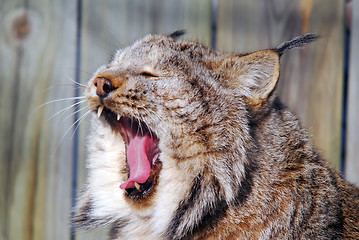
x=236, y=163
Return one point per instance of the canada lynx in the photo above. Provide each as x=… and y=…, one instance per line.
x=191, y=143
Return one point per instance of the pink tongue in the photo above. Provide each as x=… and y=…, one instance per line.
x=138, y=160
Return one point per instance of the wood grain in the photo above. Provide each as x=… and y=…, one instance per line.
x=311, y=78
x=36, y=53
x=352, y=150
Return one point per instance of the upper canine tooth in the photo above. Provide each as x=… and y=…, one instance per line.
x=99, y=110
x=138, y=186
x=118, y=117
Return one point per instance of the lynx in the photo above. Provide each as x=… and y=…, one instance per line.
x=187, y=142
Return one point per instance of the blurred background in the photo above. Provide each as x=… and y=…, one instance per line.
x=47, y=47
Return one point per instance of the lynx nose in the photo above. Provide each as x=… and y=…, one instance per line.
x=103, y=86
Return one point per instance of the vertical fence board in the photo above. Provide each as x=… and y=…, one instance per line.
x=311, y=79
x=352, y=151
x=36, y=52
x=109, y=25
x=323, y=81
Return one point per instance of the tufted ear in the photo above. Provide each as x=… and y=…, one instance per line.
x=256, y=74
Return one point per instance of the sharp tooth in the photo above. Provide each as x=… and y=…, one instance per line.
x=138, y=186
x=118, y=117
x=99, y=110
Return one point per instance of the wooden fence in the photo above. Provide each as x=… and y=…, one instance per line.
x=45, y=45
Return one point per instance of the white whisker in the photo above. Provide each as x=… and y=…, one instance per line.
x=67, y=108
x=54, y=101
x=149, y=129
x=146, y=122
x=159, y=119
x=79, y=110
x=76, y=83
x=85, y=114
x=73, y=86
x=79, y=122
x=139, y=127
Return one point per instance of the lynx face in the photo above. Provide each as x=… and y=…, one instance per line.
x=163, y=117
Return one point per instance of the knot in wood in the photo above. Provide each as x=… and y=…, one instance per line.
x=21, y=26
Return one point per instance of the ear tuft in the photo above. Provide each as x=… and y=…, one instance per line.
x=296, y=42
x=177, y=34
x=256, y=74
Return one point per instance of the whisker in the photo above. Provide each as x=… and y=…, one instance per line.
x=139, y=127
x=76, y=83
x=159, y=119
x=79, y=110
x=54, y=101
x=85, y=114
x=67, y=108
x=79, y=122
x=158, y=116
x=149, y=129
x=82, y=71
x=73, y=86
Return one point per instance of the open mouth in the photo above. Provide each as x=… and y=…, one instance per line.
x=142, y=154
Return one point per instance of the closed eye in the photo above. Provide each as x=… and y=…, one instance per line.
x=149, y=75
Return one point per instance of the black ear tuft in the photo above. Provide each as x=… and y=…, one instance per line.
x=296, y=42
x=177, y=34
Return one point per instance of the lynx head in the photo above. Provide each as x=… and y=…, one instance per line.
x=169, y=144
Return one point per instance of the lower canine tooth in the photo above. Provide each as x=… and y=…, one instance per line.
x=118, y=117
x=99, y=110
x=138, y=186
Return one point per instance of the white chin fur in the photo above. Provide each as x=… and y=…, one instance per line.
x=106, y=152
x=172, y=188
x=106, y=160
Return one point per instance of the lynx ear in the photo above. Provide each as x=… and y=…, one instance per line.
x=256, y=73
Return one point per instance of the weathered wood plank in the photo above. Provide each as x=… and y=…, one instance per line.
x=352, y=143
x=36, y=52
x=109, y=25
x=312, y=78
x=324, y=78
